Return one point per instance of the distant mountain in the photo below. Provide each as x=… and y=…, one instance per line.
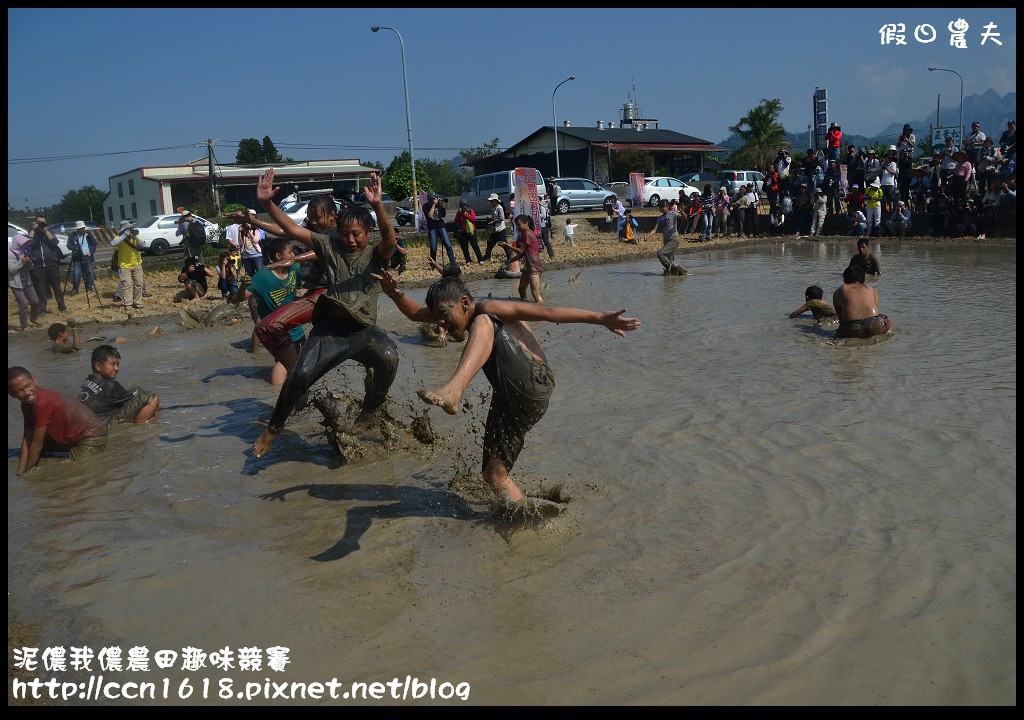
x=990, y=109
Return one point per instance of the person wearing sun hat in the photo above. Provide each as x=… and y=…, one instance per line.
x=193, y=233
x=83, y=250
x=129, y=265
x=873, y=206
x=872, y=167
x=907, y=141
x=497, y=224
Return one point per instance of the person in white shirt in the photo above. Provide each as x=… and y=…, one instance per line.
x=888, y=179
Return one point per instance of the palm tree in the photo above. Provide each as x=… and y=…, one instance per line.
x=762, y=133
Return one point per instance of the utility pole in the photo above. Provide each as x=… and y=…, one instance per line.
x=213, y=188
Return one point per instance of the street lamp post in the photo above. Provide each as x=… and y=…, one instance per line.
x=408, y=120
x=554, y=122
x=961, y=99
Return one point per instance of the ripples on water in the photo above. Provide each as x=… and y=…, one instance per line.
x=760, y=514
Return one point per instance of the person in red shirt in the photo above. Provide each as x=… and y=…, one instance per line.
x=527, y=249
x=834, y=139
x=53, y=423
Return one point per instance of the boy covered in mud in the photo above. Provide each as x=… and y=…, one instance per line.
x=345, y=316
x=53, y=422
x=814, y=302
x=501, y=343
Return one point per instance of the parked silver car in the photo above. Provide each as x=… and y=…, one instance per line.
x=158, y=234
x=581, y=194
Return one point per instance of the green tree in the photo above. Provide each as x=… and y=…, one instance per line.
x=762, y=135
x=252, y=152
x=630, y=161
x=270, y=153
x=397, y=181
x=86, y=203
x=471, y=155
x=445, y=178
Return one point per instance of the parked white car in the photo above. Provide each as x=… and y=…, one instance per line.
x=157, y=235
x=295, y=208
x=13, y=230
x=657, y=189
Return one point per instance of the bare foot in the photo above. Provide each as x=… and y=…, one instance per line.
x=534, y=507
x=449, y=404
x=262, y=446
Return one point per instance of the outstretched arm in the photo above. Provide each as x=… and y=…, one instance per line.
x=409, y=307
x=311, y=255
x=800, y=310
x=265, y=192
x=611, y=319
x=267, y=227
x=375, y=196
x=513, y=253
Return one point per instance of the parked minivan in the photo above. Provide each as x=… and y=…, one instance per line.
x=504, y=184
x=735, y=179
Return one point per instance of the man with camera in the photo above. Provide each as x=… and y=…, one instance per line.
x=435, y=211
x=834, y=140
x=193, y=276
x=46, y=256
x=83, y=250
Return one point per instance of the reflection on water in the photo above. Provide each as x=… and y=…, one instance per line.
x=759, y=514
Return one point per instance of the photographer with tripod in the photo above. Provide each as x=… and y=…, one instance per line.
x=46, y=256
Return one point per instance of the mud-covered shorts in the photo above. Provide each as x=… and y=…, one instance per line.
x=865, y=328
x=522, y=387
x=127, y=412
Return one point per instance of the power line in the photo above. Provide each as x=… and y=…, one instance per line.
x=287, y=146
x=56, y=158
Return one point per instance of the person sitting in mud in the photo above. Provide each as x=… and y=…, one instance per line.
x=856, y=305
x=500, y=342
x=53, y=423
x=61, y=334
x=111, y=401
x=820, y=309
x=865, y=260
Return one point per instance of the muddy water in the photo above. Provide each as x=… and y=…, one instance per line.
x=759, y=515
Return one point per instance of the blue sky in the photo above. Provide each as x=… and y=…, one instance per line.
x=105, y=91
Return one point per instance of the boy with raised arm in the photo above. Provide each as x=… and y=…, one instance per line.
x=501, y=343
x=345, y=316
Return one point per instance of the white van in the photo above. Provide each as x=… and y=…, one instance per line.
x=504, y=184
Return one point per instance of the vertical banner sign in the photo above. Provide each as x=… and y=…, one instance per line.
x=636, y=189
x=820, y=119
x=527, y=202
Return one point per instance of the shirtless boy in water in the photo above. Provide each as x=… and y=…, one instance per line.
x=500, y=342
x=857, y=307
